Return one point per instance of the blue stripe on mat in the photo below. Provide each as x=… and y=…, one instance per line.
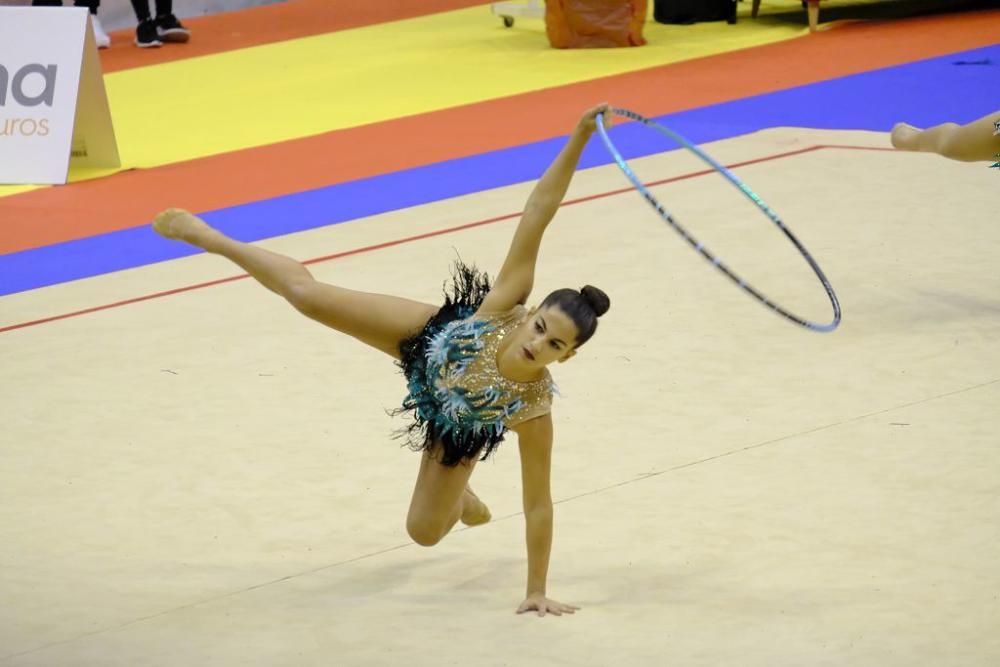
x=924, y=93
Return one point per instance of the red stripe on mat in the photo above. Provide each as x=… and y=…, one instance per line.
x=130, y=199
x=418, y=237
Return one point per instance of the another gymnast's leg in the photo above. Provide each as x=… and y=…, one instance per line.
x=973, y=142
x=375, y=319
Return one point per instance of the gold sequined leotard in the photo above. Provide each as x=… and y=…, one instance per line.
x=469, y=382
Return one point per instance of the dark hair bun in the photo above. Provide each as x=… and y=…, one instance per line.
x=597, y=299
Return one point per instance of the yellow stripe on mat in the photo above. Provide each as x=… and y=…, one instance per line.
x=226, y=102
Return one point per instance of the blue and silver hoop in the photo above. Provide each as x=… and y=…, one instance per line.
x=700, y=247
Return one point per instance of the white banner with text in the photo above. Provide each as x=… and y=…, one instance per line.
x=53, y=105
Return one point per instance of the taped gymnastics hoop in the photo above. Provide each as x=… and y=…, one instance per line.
x=699, y=246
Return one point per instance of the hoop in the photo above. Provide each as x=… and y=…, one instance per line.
x=699, y=246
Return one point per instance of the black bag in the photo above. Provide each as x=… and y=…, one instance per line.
x=694, y=11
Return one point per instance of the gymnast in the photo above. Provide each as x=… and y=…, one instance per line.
x=475, y=367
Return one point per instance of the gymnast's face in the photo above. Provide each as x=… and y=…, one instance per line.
x=547, y=335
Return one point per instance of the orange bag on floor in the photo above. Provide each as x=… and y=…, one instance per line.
x=588, y=24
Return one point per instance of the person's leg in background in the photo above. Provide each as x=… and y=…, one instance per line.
x=101, y=37
x=146, y=36
x=168, y=27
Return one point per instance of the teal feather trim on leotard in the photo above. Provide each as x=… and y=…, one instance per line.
x=467, y=425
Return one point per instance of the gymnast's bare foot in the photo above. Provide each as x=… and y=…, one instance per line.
x=474, y=511
x=904, y=137
x=177, y=224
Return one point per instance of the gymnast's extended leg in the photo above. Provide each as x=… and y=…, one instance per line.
x=973, y=142
x=375, y=319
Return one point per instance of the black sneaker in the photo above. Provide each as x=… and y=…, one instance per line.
x=170, y=29
x=145, y=35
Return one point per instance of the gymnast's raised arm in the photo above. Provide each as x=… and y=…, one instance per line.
x=517, y=275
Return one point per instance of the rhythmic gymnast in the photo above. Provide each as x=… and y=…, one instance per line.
x=475, y=367
x=974, y=142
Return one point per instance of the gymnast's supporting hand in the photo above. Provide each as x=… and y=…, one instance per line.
x=543, y=605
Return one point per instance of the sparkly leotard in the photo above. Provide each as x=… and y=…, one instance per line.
x=457, y=396
x=470, y=390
